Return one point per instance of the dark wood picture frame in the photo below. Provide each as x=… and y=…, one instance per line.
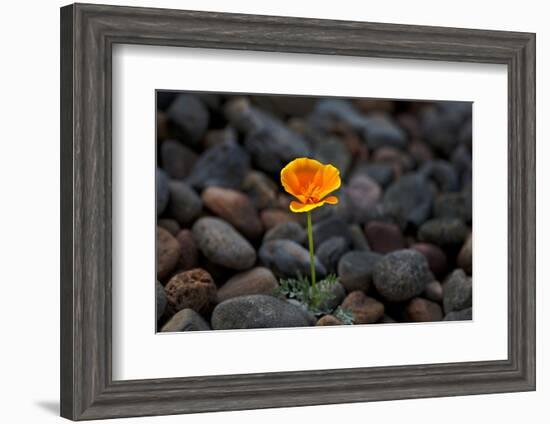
x=88, y=33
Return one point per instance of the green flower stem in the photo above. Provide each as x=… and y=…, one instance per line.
x=311, y=256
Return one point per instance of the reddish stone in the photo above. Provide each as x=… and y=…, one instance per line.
x=423, y=310
x=168, y=253
x=384, y=237
x=194, y=289
x=365, y=310
x=435, y=256
x=235, y=208
x=329, y=320
x=272, y=217
x=189, y=251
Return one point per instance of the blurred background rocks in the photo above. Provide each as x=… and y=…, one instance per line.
x=399, y=239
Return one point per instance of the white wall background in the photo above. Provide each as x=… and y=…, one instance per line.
x=29, y=211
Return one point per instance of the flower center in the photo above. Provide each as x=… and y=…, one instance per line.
x=312, y=193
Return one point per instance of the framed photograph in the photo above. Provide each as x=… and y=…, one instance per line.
x=263, y=212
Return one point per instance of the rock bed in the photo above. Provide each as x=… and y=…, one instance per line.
x=399, y=240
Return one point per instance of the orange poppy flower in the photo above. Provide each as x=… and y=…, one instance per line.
x=310, y=182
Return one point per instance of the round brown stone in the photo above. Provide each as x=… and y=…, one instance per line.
x=329, y=320
x=258, y=280
x=234, y=207
x=189, y=256
x=261, y=189
x=434, y=291
x=464, y=259
x=384, y=237
x=423, y=310
x=168, y=253
x=193, y=289
x=365, y=310
x=272, y=217
x=437, y=261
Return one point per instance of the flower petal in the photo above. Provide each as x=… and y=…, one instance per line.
x=305, y=207
x=330, y=180
x=301, y=207
x=297, y=175
x=331, y=200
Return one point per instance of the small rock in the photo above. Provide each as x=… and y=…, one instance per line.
x=190, y=118
x=261, y=189
x=273, y=217
x=358, y=239
x=185, y=205
x=457, y=292
x=177, y=159
x=384, y=237
x=192, y=289
x=163, y=192
x=330, y=251
x=380, y=131
x=339, y=211
x=328, y=113
x=329, y=320
x=409, y=200
x=288, y=231
x=396, y=158
x=163, y=132
x=382, y=173
x=186, y=320
x=335, y=152
x=168, y=253
x=189, y=256
x=337, y=295
x=365, y=310
x=211, y=100
x=454, y=205
x=443, y=174
x=375, y=105
x=422, y=310
x=464, y=315
x=464, y=259
x=401, y=275
x=287, y=259
x=363, y=194
x=445, y=232
x=356, y=268
x=435, y=256
x=258, y=280
x=161, y=300
x=243, y=116
x=222, y=244
x=465, y=136
x=259, y=311
x=170, y=225
x=434, y=291
x=462, y=160
x=440, y=128
x=420, y=152
x=274, y=145
x=235, y=208
x=223, y=165
x=331, y=227
x=213, y=137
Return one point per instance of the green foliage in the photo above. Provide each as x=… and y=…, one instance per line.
x=294, y=288
x=344, y=315
x=301, y=290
